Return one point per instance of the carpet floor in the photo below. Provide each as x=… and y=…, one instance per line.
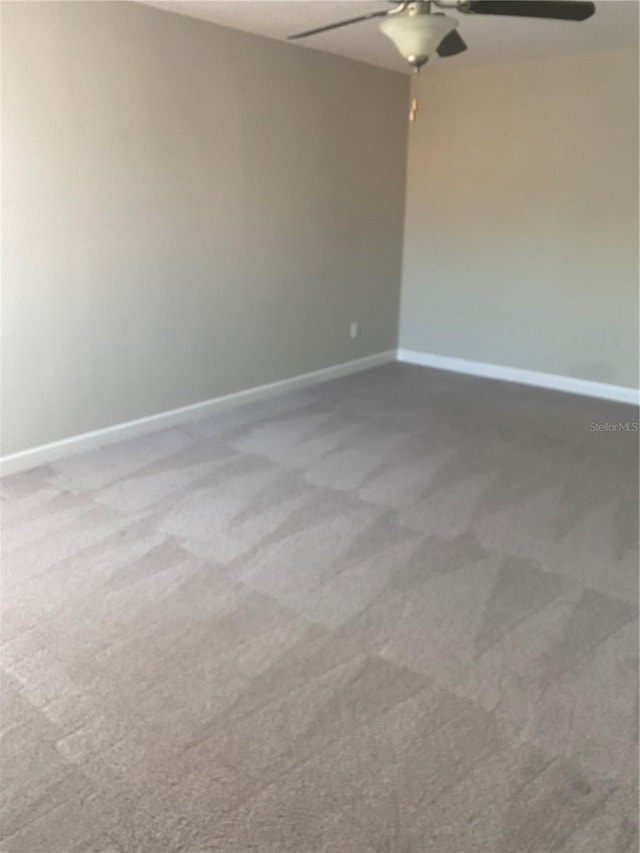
x=395, y=613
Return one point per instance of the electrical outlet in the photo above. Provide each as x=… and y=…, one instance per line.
x=354, y=330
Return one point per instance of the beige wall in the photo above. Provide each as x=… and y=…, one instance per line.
x=521, y=235
x=188, y=211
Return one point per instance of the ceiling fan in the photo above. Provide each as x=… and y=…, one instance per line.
x=417, y=31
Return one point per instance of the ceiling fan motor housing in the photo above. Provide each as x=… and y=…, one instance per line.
x=417, y=36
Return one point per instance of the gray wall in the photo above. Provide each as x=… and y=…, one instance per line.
x=521, y=236
x=188, y=211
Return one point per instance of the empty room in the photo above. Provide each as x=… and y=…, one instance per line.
x=319, y=426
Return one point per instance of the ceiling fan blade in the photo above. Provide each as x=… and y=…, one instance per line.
x=567, y=10
x=452, y=44
x=338, y=24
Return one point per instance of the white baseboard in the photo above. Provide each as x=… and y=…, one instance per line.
x=552, y=381
x=43, y=454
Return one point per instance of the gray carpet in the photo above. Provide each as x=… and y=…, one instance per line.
x=396, y=613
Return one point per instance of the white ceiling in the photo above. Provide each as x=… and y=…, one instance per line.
x=490, y=39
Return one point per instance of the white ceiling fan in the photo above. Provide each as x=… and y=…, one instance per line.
x=418, y=32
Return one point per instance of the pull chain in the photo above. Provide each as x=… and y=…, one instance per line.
x=413, y=109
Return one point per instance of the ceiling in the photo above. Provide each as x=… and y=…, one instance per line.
x=490, y=39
